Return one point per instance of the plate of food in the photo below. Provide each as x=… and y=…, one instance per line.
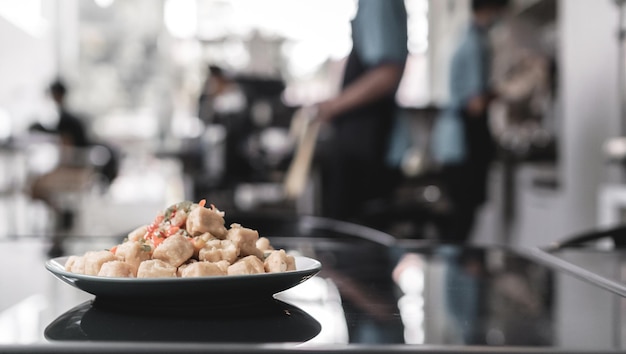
x=186, y=253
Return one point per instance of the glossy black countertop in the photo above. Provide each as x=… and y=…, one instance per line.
x=374, y=294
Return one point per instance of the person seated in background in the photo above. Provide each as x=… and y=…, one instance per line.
x=354, y=171
x=74, y=139
x=76, y=168
x=70, y=128
x=462, y=142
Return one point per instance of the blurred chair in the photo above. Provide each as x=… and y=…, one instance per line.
x=72, y=174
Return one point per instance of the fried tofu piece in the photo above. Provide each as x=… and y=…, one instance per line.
x=138, y=233
x=179, y=218
x=223, y=265
x=72, y=261
x=247, y=265
x=245, y=239
x=78, y=266
x=179, y=271
x=264, y=244
x=175, y=250
x=279, y=261
x=69, y=263
x=219, y=250
x=156, y=268
x=199, y=242
x=201, y=220
x=94, y=260
x=202, y=269
x=133, y=253
x=117, y=269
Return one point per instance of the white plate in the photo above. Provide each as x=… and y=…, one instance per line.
x=217, y=288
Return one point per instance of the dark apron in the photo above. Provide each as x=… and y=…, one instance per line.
x=466, y=184
x=363, y=133
x=354, y=171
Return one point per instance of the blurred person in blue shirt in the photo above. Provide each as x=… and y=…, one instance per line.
x=354, y=172
x=462, y=142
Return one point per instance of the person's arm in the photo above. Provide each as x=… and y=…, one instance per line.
x=467, y=91
x=377, y=83
x=379, y=39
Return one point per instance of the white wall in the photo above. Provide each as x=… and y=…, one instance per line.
x=591, y=101
x=30, y=60
x=26, y=65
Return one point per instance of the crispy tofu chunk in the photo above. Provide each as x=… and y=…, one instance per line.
x=155, y=268
x=179, y=271
x=133, y=253
x=138, y=233
x=175, y=250
x=245, y=239
x=75, y=264
x=71, y=261
x=202, y=269
x=200, y=241
x=117, y=269
x=219, y=250
x=247, y=265
x=223, y=265
x=279, y=261
x=264, y=244
x=78, y=265
x=201, y=220
x=95, y=260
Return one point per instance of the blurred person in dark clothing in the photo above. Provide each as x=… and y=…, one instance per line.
x=73, y=135
x=214, y=85
x=70, y=175
x=77, y=166
x=221, y=97
x=354, y=172
x=462, y=141
x=70, y=128
x=223, y=103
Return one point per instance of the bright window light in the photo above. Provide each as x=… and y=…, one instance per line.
x=25, y=14
x=180, y=17
x=104, y=3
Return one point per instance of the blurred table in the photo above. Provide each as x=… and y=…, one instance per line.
x=373, y=292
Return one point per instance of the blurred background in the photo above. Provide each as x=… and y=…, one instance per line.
x=193, y=99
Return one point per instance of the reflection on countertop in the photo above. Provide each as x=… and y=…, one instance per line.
x=368, y=292
x=266, y=322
